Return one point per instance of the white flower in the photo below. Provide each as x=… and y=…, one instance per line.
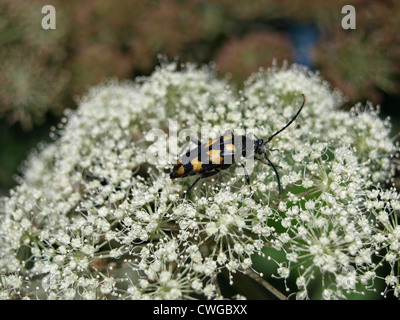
x=283, y=272
x=165, y=276
x=347, y=281
x=197, y=285
x=94, y=212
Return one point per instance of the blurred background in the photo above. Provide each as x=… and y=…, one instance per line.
x=42, y=71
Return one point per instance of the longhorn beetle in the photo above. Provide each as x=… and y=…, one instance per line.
x=219, y=154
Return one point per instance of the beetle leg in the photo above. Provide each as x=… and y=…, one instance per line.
x=190, y=187
x=268, y=162
x=246, y=174
x=204, y=175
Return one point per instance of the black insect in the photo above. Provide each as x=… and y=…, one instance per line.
x=219, y=154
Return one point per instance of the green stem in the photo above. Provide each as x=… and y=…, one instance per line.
x=265, y=284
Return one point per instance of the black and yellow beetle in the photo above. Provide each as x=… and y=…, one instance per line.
x=219, y=154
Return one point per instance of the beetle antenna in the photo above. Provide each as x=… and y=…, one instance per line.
x=290, y=122
x=278, y=179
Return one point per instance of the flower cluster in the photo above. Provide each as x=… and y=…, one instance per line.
x=91, y=218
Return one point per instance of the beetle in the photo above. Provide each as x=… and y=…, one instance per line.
x=218, y=154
